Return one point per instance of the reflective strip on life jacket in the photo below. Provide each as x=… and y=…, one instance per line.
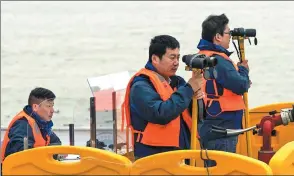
x=228, y=101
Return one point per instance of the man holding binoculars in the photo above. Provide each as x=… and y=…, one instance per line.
x=157, y=101
x=224, y=87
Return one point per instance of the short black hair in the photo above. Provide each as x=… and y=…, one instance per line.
x=212, y=25
x=40, y=94
x=160, y=43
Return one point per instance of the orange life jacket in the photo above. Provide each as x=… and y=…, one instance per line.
x=155, y=134
x=39, y=140
x=228, y=101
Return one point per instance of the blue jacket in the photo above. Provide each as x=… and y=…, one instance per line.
x=227, y=77
x=147, y=106
x=21, y=128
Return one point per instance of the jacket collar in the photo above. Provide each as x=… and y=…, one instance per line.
x=206, y=45
x=151, y=67
x=44, y=125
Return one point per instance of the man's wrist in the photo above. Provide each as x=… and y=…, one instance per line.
x=197, y=90
x=199, y=94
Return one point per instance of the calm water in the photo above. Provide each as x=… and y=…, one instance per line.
x=58, y=45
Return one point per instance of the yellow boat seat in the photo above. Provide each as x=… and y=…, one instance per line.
x=39, y=161
x=282, y=163
x=171, y=163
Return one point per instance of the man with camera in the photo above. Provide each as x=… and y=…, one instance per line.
x=157, y=101
x=224, y=87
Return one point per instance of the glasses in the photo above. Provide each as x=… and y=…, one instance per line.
x=47, y=103
x=230, y=33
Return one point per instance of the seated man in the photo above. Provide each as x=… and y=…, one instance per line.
x=33, y=122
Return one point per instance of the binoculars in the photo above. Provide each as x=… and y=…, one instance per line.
x=199, y=61
x=241, y=32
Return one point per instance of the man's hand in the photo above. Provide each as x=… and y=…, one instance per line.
x=244, y=64
x=199, y=94
x=196, y=81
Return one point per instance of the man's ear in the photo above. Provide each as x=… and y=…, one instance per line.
x=218, y=37
x=35, y=107
x=155, y=59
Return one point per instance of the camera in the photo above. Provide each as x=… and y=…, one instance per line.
x=199, y=61
x=243, y=32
